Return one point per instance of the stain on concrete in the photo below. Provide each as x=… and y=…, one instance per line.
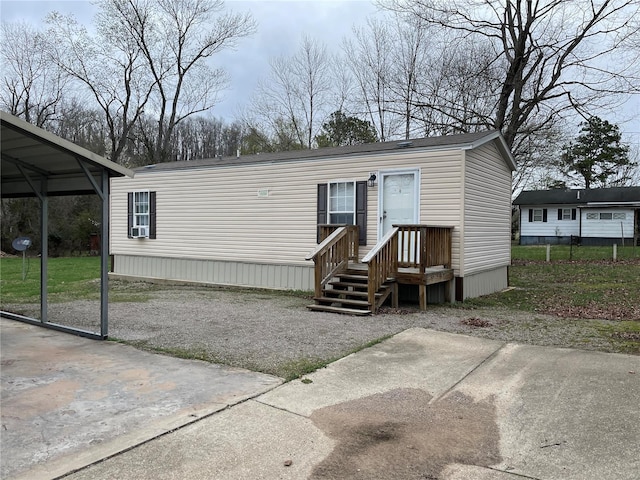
x=401, y=435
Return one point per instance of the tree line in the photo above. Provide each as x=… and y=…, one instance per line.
x=140, y=87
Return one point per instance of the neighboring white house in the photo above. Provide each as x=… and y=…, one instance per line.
x=601, y=216
x=252, y=220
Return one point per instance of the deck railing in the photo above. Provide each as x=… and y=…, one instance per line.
x=382, y=264
x=330, y=257
x=327, y=229
x=424, y=246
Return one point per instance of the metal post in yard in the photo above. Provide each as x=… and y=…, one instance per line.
x=615, y=251
x=548, y=252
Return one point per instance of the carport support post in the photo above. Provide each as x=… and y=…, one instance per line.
x=44, y=250
x=104, y=257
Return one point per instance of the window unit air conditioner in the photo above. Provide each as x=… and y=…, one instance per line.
x=140, y=232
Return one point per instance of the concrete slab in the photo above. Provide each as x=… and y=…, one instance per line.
x=250, y=441
x=69, y=401
x=416, y=358
x=420, y=405
x=565, y=414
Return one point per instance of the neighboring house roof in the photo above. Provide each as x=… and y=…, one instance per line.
x=464, y=141
x=594, y=196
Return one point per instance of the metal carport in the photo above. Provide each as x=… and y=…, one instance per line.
x=36, y=163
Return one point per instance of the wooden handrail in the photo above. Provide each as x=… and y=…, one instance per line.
x=326, y=229
x=330, y=257
x=424, y=246
x=382, y=264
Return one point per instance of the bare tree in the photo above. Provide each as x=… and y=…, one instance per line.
x=110, y=67
x=370, y=55
x=553, y=54
x=32, y=85
x=296, y=97
x=149, y=55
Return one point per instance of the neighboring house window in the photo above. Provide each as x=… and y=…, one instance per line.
x=592, y=216
x=620, y=216
x=141, y=214
x=343, y=202
x=537, y=214
x=606, y=216
x=567, y=214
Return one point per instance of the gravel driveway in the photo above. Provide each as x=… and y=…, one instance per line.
x=273, y=332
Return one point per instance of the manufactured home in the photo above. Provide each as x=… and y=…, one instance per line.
x=299, y=219
x=599, y=216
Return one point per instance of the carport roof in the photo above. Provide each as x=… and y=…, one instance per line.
x=41, y=154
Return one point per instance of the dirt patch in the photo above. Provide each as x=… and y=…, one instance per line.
x=401, y=435
x=476, y=322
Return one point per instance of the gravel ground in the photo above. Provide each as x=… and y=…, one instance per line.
x=274, y=333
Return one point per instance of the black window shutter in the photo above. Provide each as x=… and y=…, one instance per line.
x=573, y=214
x=152, y=215
x=361, y=211
x=129, y=213
x=544, y=214
x=322, y=208
x=531, y=215
x=559, y=214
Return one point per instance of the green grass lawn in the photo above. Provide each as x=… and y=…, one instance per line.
x=589, y=286
x=69, y=279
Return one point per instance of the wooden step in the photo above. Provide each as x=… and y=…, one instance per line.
x=344, y=301
x=336, y=283
x=352, y=293
x=347, y=311
x=351, y=276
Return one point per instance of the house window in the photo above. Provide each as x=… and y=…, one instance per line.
x=538, y=214
x=620, y=216
x=567, y=214
x=141, y=214
x=592, y=216
x=342, y=202
x=606, y=215
x=140, y=209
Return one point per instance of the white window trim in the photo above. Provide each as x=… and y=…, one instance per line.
x=136, y=216
x=570, y=210
x=331, y=212
x=533, y=215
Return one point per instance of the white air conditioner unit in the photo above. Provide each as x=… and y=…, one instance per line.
x=140, y=232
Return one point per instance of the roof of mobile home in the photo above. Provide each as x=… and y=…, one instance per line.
x=465, y=141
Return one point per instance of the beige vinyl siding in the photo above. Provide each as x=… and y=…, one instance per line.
x=440, y=202
x=487, y=212
x=215, y=213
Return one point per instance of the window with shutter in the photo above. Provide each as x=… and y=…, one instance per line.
x=343, y=202
x=141, y=214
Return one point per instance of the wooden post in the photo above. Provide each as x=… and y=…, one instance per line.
x=548, y=252
x=615, y=252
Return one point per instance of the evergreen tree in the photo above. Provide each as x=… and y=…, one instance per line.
x=597, y=155
x=341, y=130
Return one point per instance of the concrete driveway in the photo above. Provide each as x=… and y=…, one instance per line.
x=69, y=401
x=423, y=405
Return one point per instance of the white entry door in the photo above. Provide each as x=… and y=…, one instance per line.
x=398, y=199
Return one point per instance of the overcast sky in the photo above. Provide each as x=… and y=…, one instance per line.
x=281, y=25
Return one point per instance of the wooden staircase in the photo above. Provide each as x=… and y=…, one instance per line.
x=409, y=254
x=348, y=292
